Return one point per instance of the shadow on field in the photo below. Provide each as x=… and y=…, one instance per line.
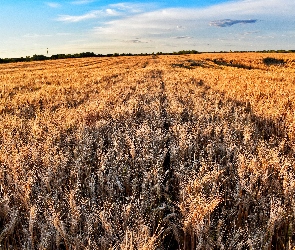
x=231, y=63
x=273, y=61
x=191, y=64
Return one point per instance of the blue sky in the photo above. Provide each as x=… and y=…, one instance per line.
x=73, y=26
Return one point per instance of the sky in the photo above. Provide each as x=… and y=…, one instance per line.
x=102, y=27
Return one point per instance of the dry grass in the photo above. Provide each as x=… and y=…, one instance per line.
x=169, y=152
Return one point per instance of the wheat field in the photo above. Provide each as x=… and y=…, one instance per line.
x=148, y=152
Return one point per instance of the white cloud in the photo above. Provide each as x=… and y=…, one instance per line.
x=112, y=10
x=189, y=28
x=95, y=14
x=73, y=19
x=34, y=35
x=133, y=8
x=53, y=4
x=81, y=2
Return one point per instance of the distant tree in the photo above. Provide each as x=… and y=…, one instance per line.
x=87, y=54
x=39, y=57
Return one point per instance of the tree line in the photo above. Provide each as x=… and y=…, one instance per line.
x=86, y=54
x=92, y=54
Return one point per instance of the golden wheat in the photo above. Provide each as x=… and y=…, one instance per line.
x=162, y=152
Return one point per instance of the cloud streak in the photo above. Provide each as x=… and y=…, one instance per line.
x=134, y=41
x=112, y=10
x=29, y=35
x=79, y=18
x=53, y=4
x=229, y=22
x=81, y=2
x=183, y=37
x=96, y=14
